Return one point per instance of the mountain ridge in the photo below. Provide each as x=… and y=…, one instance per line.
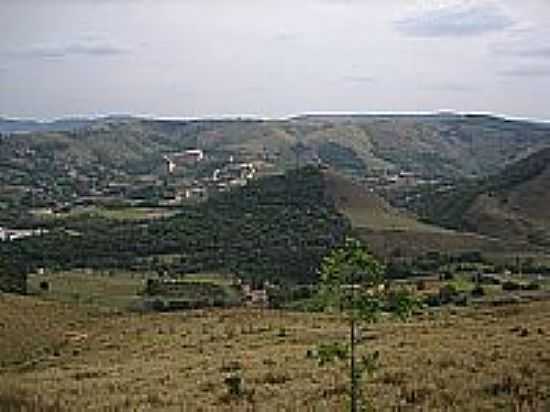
x=446, y=146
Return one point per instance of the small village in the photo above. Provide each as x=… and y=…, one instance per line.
x=69, y=186
x=183, y=181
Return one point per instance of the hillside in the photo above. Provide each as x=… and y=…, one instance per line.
x=122, y=158
x=58, y=357
x=448, y=145
x=390, y=231
x=366, y=209
x=119, y=163
x=510, y=205
x=277, y=228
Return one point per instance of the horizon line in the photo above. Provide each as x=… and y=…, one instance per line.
x=259, y=117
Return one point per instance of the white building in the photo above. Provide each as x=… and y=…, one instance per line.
x=7, y=235
x=186, y=158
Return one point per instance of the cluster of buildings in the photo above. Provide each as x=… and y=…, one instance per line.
x=401, y=178
x=228, y=174
x=186, y=158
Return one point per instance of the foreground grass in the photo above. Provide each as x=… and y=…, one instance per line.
x=79, y=359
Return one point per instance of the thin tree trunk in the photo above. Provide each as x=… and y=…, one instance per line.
x=352, y=369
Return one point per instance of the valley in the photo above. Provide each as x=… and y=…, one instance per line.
x=144, y=262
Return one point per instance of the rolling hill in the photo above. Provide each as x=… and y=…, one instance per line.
x=510, y=205
x=366, y=209
x=439, y=145
x=390, y=231
x=57, y=167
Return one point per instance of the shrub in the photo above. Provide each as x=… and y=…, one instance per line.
x=478, y=291
x=448, y=275
x=158, y=305
x=234, y=384
x=432, y=300
x=461, y=299
x=510, y=286
x=532, y=286
x=447, y=293
x=489, y=280
x=276, y=378
x=421, y=285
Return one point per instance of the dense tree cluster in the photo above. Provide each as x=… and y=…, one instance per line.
x=276, y=228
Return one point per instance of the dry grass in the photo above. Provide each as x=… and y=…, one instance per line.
x=484, y=359
x=417, y=242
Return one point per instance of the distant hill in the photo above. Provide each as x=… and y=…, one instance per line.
x=512, y=204
x=439, y=145
x=76, y=159
x=8, y=126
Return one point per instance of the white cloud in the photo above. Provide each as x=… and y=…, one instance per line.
x=528, y=44
x=359, y=79
x=526, y=71
x=451, y=87
x=84, y=47
x=455, y=20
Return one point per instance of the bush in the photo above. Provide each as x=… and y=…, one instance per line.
x=447, y=276
x=461, y=299
x=421, y=285
x=510, y=286
x=432, y=300
x=473, y=256
x=158, y=305
x=478, y=291
x=490, y=280
x=532, y=286
x=234, y=382
x=447, y=293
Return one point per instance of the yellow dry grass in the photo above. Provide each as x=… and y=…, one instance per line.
x=475, y=359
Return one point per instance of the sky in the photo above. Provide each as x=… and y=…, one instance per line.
x=273, y=58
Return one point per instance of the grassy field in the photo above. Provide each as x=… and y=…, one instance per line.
x=367, y=210
x=58, y=356
x=119, y=290
x=415, y=242
x=112, y=289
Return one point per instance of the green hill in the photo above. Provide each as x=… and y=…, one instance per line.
x=277, y=227
x=510, y=205
x=40, y=170
x=432, y=145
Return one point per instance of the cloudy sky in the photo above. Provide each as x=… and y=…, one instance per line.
x=189, y=58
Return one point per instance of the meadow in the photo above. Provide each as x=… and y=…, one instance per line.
x=59, y=356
